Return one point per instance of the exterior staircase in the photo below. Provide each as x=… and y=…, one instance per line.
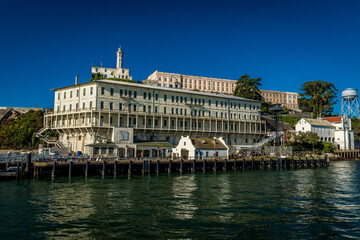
x=50, y=140
x=266, y=140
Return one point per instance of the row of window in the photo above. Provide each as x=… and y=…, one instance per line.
x=177, y=99
x=181, y=123
x=77, y=93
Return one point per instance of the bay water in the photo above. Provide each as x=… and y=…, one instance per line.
x=320, y=203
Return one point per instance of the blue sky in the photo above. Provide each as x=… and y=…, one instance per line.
x=43, y=44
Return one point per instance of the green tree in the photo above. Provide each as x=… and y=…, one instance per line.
x=19, y=132
x=319, y=97
x=247, y=87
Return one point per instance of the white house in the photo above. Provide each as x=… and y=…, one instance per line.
x=199, y=148
x=344, y=136
x=336, y=130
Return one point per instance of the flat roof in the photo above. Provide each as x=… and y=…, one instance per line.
x=140, y=85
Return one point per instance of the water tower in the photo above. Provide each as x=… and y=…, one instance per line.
x=350, y=103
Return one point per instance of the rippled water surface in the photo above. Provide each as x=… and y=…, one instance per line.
x=303, y=204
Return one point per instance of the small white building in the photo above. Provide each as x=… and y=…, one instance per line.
x=336, y=130
x=344, y=136
x=200, y=148
x=324, y=129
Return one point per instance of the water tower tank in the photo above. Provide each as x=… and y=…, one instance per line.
x=349, y=94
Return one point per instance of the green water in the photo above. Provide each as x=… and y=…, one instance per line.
x=302, y=204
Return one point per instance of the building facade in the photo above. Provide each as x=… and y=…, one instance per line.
x=189, y=82
x=336, y=130
x=288, y=100
x=217, y=85
x=119, y=115
x=200, y=148
x=118, y=72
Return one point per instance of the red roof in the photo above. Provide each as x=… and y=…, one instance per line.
x=333, y=119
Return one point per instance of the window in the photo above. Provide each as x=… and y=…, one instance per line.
x=130, y=93
x=144, y=95
x=156, y=97
x=165, y=122
x=121, y=92
x=111, y=92
x=149, y=96
x=144, y=108
x=216, y=103
x=172, y=110
x=101, y=105
x=70, y=94
x=181, y=99
x=91, y=90
x=156, y=109
x=90, y=104
x=134, y=107
x=209, y=102
x=185, y=100
x=77, y=93
x=64, y=95
x=70, y=107
x=120, y=106
x=135, y=94
x=177, y=99
x=125, y=92
x=102, y=91
x=172, y=98
x=111, y=120
x=58, y=96
x=84, y=91
x=165, y=97
x=64, y=108
x=111, y=106
x=165, y=110
x=83, y=105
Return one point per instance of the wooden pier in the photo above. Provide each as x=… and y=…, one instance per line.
x=108, y=167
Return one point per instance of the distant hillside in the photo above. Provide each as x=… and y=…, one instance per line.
x=17, y=129
x=356, y=128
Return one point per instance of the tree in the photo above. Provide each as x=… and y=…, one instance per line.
x=308, y=139
x=319, y=97
x=247, y=87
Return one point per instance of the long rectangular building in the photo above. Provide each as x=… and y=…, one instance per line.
x=116, y=117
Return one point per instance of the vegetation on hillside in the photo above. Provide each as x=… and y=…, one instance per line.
x=318, y=97
x=99, y=77
x=291, y=119
x=18, y=133
x=310, y=141
x=355, y=125
x=247, y=87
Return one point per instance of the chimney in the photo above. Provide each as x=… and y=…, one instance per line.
x=76, y=80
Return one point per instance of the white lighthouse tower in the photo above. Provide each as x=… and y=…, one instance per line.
x=350, y=103
x=119, y=59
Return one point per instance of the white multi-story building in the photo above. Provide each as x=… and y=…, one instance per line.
x=344, y=136
x=116, y=116
x=217, y=85
x=189, y=82
x=336, y=130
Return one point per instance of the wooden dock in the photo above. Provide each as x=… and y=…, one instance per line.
x=81, y=167
x=121, y=167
